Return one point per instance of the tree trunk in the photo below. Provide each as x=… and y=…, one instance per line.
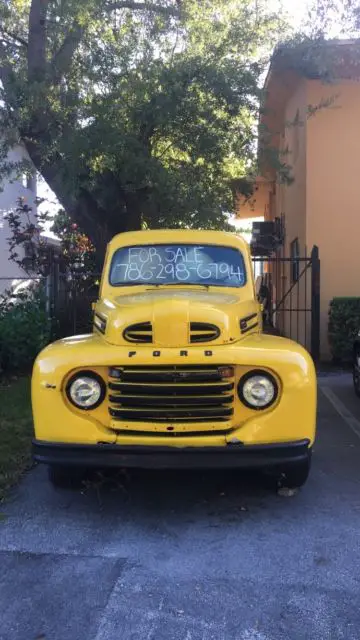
x=105, y=211
x=134, y=210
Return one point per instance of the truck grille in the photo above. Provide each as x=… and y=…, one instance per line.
x=175, y=394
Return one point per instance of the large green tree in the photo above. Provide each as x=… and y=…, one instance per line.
x=135, y=113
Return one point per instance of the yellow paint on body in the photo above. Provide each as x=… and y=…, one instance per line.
x=170, y=311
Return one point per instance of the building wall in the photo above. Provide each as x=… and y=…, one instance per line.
x=291, y=199
x=333, y=191
x=322, y=206
x=290, y=202
x=8, y=198
x=257, y=205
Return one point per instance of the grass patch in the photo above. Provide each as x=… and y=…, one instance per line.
x=15, y=431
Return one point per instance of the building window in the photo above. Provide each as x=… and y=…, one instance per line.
x=28, y=181
x=296, y=124
x=294, y=264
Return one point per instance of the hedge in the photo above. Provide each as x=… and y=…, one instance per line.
x=344, y=325
x=24, y=330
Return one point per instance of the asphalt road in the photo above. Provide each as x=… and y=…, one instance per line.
x=167, y=556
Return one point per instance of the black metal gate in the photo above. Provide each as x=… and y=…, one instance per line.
x=289, y=289
x=71, y=299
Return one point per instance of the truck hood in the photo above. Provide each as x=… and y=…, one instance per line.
x=178, y=318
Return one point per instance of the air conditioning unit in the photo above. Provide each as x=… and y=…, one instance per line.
x=266, y=237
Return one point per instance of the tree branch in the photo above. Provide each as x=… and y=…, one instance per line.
x=143, y=6
x=37, y=40
x=62, y=59
x=171, y=144
x=6, y=72
x=14, y=37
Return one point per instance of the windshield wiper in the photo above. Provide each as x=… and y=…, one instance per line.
x=162, y=284
x=176, y=284
x=129, y=284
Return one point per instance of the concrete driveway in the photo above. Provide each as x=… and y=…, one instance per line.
x=190, y=556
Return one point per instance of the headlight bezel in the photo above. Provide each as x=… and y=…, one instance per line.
x=85, y=373
x=264, y=374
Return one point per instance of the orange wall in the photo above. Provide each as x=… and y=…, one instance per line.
x=333, y=191
x=257, y=205
x=291, y=199
x=322, y=206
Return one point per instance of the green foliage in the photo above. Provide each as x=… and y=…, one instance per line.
x=30, y=250
x=77, y=252
x=24, y=329
x=76, y=261
x=136, y=113
x=344, y=324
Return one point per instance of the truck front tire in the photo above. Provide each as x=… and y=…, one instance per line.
x=356, y=373
x=65, y=477
x=295, y=475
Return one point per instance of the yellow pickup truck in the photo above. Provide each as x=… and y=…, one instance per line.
x=177, y=372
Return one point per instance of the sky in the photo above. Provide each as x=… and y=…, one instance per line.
x=297, y=11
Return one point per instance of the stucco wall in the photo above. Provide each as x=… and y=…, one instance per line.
x=290, y=201
x=8, y=197
x=333, y=191
x=257, y=205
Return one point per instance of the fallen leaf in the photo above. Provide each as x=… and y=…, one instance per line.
x=284, y=492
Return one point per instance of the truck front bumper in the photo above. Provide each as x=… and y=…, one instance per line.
x=155, y=457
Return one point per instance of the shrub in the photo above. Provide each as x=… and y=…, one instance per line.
x=344, y=324
x=24, y=329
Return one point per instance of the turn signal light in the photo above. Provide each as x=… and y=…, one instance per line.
x=226, y=372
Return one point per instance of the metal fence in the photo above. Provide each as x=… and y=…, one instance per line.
x=71, y=299
x=292, y=297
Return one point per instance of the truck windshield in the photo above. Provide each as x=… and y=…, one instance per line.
x=209, y=265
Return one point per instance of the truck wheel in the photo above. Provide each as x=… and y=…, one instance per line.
x=295, y=475
x=356, y=374
x=64, y=477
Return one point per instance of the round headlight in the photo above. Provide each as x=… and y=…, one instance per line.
x=258, y=390
x=86, y=390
